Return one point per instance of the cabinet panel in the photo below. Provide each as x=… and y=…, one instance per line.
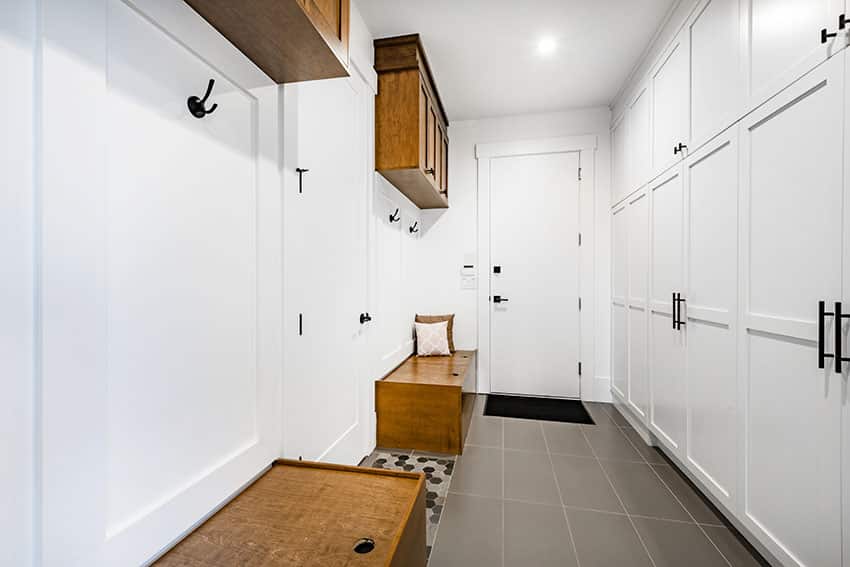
x=717, y=78
x=640, y=138
x=785, y=41
x=638, y=276
x=791, y=179
x=620, y=159
x=444, y=183
x=667, y=415
x=711, y=181
x=670, y=105
x=619, y=316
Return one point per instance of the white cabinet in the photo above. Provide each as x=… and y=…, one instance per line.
x=620, y=159
x=791, y=178
x=670, y=88
x=640, y=137
x=718, y=82
x=619, y=302
x=785, y=41
x=667, y=346
x=638, y=291
x=711, y=205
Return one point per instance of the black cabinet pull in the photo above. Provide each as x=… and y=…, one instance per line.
x=499, y=299
x=680, y=148
x=673, y=311
x=430, y=171
x=679, y=314
x=822, y=313
x=839, y=319
x=824, y=36
x=365, y=318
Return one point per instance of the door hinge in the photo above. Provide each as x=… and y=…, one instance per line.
x=579, y=174
x=579, y=304
x=579, y=368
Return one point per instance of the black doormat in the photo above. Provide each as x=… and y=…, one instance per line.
x=547, y=409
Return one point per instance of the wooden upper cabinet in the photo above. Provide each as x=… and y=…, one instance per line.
x=411, y=144
x=290, y=40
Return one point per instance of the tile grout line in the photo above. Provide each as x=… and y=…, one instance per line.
x=617, y=494
x=670, y=490
x=560, y=496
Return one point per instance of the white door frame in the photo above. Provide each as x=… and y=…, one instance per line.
x=586, y=147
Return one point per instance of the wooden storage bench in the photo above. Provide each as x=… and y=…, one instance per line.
x=426, y=403
x=314, y=514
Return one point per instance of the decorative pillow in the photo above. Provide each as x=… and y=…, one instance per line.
x=450, y=319
x=432, y=339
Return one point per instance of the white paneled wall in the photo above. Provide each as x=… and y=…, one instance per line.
x=747, y=189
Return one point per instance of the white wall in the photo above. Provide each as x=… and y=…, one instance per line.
x=17, y=49
x=450, y=240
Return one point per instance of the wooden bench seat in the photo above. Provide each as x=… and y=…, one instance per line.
x=426, y=403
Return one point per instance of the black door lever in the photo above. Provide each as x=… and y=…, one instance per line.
x=499, y=299
x=365, y=318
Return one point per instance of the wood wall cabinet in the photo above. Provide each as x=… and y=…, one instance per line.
x=290, y=40
x=411, y=140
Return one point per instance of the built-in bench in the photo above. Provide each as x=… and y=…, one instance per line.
x=426, y=403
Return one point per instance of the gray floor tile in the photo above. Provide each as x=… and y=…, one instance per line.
x=566, y=439
x=674, y=544
x=529, y=477
x=601, y=413
x=618, y=418
x=485, y=432
x=470, y=533
x=642, y=492
x=651, y=454
x=524, y=435
x=694, y=502
x=537, y=535
x=478, y=471
x=736, y=552
x=583, y=484
x=606, y=540
x=610, y=443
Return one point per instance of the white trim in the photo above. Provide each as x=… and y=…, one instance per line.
x=591, y=387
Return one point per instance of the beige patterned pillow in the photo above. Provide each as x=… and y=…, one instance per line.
x=432, y=339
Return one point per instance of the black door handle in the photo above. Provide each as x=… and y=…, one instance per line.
x=365, y=318
x=499, y=299
x=839, y=318
x=822, y=313
x=673, y=310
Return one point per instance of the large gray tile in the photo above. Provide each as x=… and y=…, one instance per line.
x=485, y=432
x=618, y=418
x=524, y=435
x=673, y=544
x=611, y=443
x=694, y=502
x=606, y=540
x=478, y=471
x=642, y=492
x=650, y=454
x=470, y=533
x=601, y=413
x=566, y=439
x=529, y=477
x=738, y=553
x=583, y=484
x=537, y=535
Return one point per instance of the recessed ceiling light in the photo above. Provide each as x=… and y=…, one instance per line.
x=546, y=45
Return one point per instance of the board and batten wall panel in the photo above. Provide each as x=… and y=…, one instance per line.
x=17, y=230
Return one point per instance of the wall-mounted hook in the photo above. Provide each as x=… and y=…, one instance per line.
x=415, y=228
x=197, y=105
x=395, y=217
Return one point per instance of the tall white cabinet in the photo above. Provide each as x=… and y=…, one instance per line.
x=737, y=239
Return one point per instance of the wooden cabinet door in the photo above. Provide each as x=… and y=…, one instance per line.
x=670, y=87
x=431, y=152
x=331, y=20
x=444, y=180
x=438, y=157
x=424, y=114
x=791, y=246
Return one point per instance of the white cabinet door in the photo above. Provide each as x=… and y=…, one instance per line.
x=711, y=195
x=619, y=303
x=718, y=82
x=670, y=79
x=791, y=229
x=620, y=159
x=640, y=138
x=667, y=344
x=785, y=42
x=638, y=280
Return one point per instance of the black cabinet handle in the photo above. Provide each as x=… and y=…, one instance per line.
x=365, y=318
x=824, y=36
x=673, y=312
x=680, y=148
x=822, y=313
x=679, y=315
x=839, y=320
x=499, y=299
x=430, y=171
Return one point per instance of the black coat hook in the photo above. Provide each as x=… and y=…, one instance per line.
x=197, y=105
x=415, y=228
x=395, y=217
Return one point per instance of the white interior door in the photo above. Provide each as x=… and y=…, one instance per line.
x=711, y=190
x=161, y=278
x=791, y=176
x=619, y=300
x=534, y=216
x=326, y=273
x=667, y=359
x=638, y=215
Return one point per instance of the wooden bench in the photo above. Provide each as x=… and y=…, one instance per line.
x=426, y=403
x=314, y=514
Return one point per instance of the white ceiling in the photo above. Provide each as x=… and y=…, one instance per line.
x=483, y=53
